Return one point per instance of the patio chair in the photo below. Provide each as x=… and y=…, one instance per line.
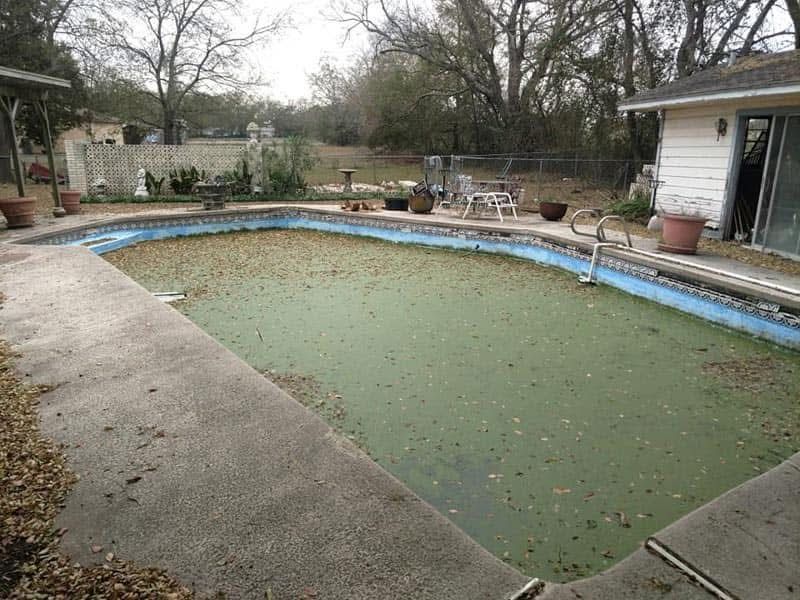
x=460, y=188
x=499, y=201
x=482, y=200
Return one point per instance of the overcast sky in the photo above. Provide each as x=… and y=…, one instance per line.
x=296, y=53
x=287, y=62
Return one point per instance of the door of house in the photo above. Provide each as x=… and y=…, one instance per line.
x=778, y=219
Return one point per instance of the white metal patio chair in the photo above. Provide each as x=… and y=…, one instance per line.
x=491, y=200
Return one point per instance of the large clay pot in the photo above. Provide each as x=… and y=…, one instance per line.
x=71, y=201
x=552, y=211
x=19, y=212
x=421, y=204
x=680, y=233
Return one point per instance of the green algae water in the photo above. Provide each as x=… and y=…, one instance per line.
x=559, y=425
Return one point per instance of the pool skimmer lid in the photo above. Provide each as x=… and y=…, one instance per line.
x=169, y=296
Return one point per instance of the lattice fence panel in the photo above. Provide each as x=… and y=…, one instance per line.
x=118, y=164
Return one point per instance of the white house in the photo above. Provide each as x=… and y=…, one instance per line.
x=729, y=148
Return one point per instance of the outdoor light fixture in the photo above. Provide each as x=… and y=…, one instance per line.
x=722, y=127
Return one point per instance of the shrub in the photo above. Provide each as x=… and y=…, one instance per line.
x=182, y=180
x=152, y=184
x=285, y=168
x=635, y=208
x=239, y=181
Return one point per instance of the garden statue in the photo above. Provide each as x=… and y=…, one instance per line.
x=98, y=188
x=141, y=185
x=253, y=157
x=252, y=131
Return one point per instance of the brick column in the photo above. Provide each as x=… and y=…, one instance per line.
x=76, y=165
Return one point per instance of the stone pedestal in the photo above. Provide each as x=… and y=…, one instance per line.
x=348, y=178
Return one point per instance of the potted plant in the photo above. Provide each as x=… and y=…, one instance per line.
x=681, y=231
x=18, y=211
x=552, y=210
x=71, y=201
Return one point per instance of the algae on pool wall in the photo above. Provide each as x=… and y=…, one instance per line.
x=559, y=425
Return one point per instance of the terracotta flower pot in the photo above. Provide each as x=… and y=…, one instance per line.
x=680, y=233
x=552, y=211
x=71, y=201
x=19, y=212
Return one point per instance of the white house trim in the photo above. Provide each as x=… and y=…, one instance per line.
x=647, y=105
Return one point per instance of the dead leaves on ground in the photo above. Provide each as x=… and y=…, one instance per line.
x=34, y=485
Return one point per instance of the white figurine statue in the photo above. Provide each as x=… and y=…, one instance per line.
x=253, y=156
x=141, y=185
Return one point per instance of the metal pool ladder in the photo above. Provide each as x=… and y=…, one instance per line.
x=600, y=235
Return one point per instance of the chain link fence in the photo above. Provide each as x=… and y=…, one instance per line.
x=577, y=181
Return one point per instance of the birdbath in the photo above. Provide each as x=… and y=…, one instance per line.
x=348, y=178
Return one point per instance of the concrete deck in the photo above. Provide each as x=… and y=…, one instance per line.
x=243, y=490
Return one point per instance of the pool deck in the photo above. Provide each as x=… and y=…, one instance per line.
x=243, y=490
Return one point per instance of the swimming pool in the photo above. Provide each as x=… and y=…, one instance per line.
x=557, y=424
x=755, y=316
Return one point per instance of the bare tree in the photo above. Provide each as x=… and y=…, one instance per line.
x=505, y=52
x=712, y=28
x=793, y=6
x=178, y=47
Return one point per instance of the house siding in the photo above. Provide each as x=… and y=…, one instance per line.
x=694, y=161
x=693, y=167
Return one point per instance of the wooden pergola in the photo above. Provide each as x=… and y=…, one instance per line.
x=17, y=87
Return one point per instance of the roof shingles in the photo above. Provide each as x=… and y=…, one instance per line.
x=757, y=71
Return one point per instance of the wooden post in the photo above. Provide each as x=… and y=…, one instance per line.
x=41, y=108
x=9, y=106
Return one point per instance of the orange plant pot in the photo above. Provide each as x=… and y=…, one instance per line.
x=680, y=233
x=71, y=201
x=19, y=211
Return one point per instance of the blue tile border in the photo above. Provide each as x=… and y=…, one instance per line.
x=753, y=316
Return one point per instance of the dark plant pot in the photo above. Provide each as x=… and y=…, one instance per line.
x=680, y=233
x=71, y=202
x=19, y=212
x=552, y=211
x=396, y=204
x=421, y=204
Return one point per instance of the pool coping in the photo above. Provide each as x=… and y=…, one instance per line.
x=746, y=306
x=557, y=233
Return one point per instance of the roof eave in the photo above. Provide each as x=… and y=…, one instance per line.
x=34, y=80
x=659, y=103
